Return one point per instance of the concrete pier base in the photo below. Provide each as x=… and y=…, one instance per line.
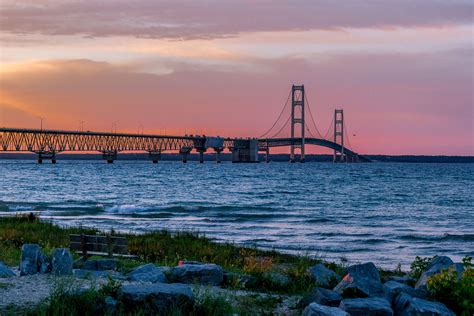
x=109, y=156
x=154, y=156
x=47, y=156
x=245, y=150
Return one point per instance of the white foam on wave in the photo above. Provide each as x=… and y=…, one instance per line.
x=125, y=208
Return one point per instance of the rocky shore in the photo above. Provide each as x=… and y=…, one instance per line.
x=360, y=290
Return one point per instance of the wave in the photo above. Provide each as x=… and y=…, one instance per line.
x=319, y=220
x=445, y=237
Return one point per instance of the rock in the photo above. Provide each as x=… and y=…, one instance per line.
x=110, y=305
x=278, y=279
x=207, y=274
x=5, y=272
x=315, y=309
x=366, y=307
x=394, y=288
x=406, y=279
x=157, y=298
x=91, y=274
x=30, y=254
x=44, y=262
x=405, y=305
x=435, y=267
x=366, y=270
x=359, y=286
x=62, y=262
x=322, y=275
x=100, y=264
x=148, y=273
x=459, y=268
x=321, y=296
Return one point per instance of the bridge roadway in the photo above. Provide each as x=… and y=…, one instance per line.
x=47, y=143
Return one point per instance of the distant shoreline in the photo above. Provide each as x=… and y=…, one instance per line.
x=227, y=157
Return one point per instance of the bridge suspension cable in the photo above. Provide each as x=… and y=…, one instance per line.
x=318, y=133
x=279, y=116
x=281, y=129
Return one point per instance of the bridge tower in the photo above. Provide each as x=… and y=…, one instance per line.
x=339, y=134
x=297, y=102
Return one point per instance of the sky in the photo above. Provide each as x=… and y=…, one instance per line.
x=402, y=70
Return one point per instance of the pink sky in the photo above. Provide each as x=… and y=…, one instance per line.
x=402, y=70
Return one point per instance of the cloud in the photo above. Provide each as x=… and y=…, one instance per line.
x=189, y=19
x=389, y=99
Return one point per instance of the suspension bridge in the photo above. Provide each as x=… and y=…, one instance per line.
x=46, y=144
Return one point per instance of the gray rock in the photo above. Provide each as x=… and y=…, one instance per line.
x=435, y=267
x=405, y=305
x=44, y=262
x=402, y=279
x=315, y=309
x=366, y=270
x=207, y=274
x=278, y=279
x=148, y=273
x=110, y=305
x=62, y=262
x=157, y=297
x=237, y=279
x=321, y=296
x=91, y=274
x=5, y=272
x=459, y=268
x=359, y=286
x=30, y=254
x=322, y=275
x=366, y=307
x=394, y=288
x=100, y=264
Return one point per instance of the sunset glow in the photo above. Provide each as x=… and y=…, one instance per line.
x=402, y=71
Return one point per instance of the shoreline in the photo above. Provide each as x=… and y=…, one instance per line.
x=288, y=281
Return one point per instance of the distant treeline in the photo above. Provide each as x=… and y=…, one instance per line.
x=227, y=157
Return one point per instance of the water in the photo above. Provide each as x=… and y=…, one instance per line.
x=386, y=213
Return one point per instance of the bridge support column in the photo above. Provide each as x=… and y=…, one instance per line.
x=267, y=155
x=245, y=150
x=47, y=155
x=184, y=152
x=154, y=156
x=109, y=156
x=218, y=154
x=201, y=155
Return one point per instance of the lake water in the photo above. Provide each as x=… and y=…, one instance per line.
x=381, y=212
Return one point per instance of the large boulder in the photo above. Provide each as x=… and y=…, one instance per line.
x=394, y=288
x=29, y=260
x=5, y=272
x=92, y=274
x=323, y=276
x=207, y=274
x=148, y=273
x=405, y=279
x=366, y=270
x=353, y=286
x=366, y=307
x=278, y=279
x=44, y=263
x=157, y=298
x=62, y=262
x=239, y=280
x=435, y=266
x=315, y=309
x=321, y=296
x=405, y=305
x=100, y=264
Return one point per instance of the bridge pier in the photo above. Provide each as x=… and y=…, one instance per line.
x=109, y=156
x=201, y=154
x=184, y=152
x=47, y=155
x=218, y=154
x=267, y=155
x=154, y=156
x=245, y=150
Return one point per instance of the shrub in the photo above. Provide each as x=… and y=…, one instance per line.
x=457, y=293
x=419, y=266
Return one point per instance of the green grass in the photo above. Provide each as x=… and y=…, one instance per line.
x=163, y=248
